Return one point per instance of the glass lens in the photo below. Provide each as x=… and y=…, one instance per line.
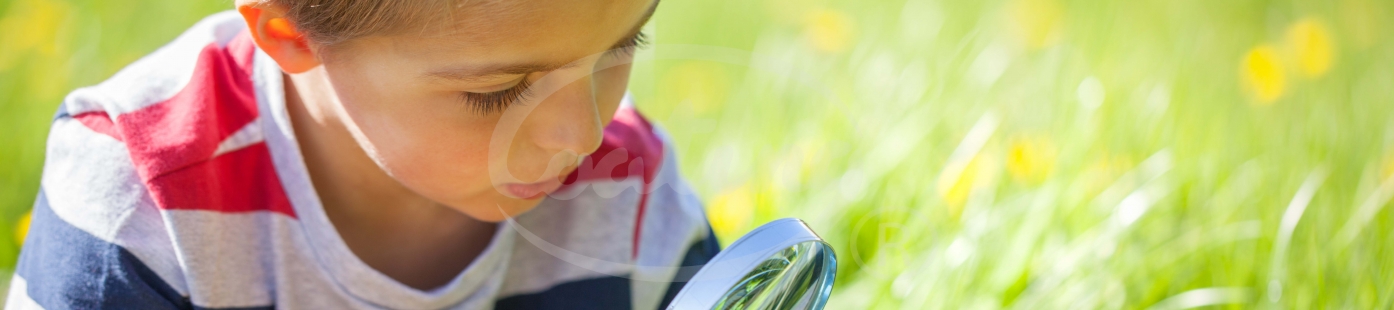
x=799, y=277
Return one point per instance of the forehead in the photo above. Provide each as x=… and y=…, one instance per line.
x=518, y=30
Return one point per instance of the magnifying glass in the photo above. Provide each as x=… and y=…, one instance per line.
x=780, y=265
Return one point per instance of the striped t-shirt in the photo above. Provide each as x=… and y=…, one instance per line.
x=178, y=184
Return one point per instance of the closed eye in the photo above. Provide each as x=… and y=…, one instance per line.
x=494, y=102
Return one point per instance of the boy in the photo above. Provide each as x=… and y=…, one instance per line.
x=331, y=154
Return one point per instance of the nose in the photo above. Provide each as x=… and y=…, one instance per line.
x=568, y=121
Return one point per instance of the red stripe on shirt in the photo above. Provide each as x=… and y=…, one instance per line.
x=239, y=181
x=172, y=142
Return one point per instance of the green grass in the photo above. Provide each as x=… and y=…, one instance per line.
x=958, y=154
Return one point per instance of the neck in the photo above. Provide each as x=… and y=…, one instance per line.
x=410, y=238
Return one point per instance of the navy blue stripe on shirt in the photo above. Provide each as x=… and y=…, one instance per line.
x=598, y=293
x=67, y=268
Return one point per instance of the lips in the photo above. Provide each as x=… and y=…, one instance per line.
x=531, y=191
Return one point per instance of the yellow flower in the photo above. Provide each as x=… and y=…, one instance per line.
x=1312, y=46
x=1036, y=22
x=829, y=30
x=1030, y=159
x=22, y=227
x=1263, y=75
x=730, y=212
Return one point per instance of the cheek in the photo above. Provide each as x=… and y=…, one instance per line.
x=425, y=141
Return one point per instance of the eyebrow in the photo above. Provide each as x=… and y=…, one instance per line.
x=480, y=72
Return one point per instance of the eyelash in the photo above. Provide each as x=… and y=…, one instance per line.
x=490, y=103
x=494, y=102
x=640, y=40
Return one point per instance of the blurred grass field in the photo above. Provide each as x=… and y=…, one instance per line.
x=959, y=154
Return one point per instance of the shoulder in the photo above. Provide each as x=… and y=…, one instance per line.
x=176, y=130
x=182, y=115
x=176, y=105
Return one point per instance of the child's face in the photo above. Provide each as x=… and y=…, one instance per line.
x=432, y=110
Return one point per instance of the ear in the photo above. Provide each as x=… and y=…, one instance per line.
x=277, y=36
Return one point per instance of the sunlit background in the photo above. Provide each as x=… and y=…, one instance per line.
x=958, y=154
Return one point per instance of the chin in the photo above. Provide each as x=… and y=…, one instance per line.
x=499, y=209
